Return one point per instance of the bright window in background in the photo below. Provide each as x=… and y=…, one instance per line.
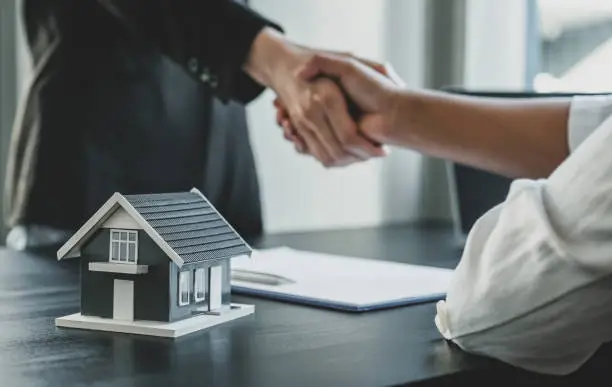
x=572, y=46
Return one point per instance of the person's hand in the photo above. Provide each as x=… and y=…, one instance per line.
x=282, y=115
x=318, y=110
x=374, y=92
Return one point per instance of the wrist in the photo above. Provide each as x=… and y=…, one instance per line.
x=271, y=56
x=402, y=118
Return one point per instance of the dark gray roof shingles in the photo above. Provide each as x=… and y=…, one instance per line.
x=190, y=226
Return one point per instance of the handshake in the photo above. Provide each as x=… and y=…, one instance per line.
x=332, y=106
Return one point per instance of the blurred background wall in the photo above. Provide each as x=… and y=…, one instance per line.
x=546, y=45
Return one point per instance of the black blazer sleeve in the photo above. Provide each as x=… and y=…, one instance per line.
x=209, y=38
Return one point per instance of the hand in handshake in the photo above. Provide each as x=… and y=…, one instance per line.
x=368, y=90
x=312, y=107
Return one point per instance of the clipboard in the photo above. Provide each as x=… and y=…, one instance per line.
x=336, y=282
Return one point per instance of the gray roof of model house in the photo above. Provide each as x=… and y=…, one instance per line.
x=190, y=225
x=184, y=224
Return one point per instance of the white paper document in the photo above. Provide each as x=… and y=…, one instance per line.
x=339, y=282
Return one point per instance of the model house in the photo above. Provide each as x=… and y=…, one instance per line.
x=155, y=264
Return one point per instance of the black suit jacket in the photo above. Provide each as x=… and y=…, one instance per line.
x=134, y=96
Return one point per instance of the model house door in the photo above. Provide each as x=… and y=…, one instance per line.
x=216, y=276
x=123, y=300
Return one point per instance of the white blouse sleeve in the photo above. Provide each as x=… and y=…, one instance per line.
x=586, y=114
x=534, y=285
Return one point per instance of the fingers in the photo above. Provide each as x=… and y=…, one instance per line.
x=384, y=69
x=313, y=125
x=315, y=148
x=326, y=129
x=300, y=147
x=301, y=127
x=334, y=66
x=360, y=83
x=291, y=135
x=309, y=128
x=281, y=115
x=393, y=75
x=379, y=67
x=289, y=132
x=318, y=121
x=345, y=129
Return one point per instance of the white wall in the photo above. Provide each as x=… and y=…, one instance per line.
x=496, y=44
x=299, y=194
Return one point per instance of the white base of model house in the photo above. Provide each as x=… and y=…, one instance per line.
x=154, y=328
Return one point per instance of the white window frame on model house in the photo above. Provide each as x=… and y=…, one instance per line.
x=199, y=287
x=184, y=287
x=126, y=242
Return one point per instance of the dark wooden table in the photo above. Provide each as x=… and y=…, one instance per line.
x=281, y=345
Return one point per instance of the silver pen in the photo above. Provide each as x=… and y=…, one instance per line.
x=259, y=277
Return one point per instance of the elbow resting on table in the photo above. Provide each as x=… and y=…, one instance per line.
x=509, y=296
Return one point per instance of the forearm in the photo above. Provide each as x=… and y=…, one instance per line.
x=516, y=138
x=542, y=253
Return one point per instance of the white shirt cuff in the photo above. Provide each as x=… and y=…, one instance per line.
x=587, y=113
